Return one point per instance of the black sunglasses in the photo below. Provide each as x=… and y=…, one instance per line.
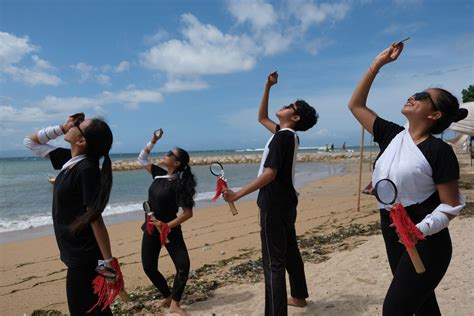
x=291, y=106
x=171, y=153
x=423, y=96
x=76, y=124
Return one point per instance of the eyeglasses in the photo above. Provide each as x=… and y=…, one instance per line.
x=171, y=153
x=419, y=96
x=291, y=106
x=76, y=124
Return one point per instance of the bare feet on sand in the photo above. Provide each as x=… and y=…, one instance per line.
x=164, y=303
x=297, y=302
x=175, y=308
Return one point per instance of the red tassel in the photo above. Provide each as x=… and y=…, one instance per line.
x=221, y=184
x=407, y=231
x=107, y=291
x=164, y=233
x=149, y=225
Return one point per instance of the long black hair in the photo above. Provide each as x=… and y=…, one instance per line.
x=99, y=140
x=448, y=105
x=186, y=183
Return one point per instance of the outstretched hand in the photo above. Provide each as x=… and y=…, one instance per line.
x=70, y=120
x=272, y=79
x=157, y=135
x=389, y=55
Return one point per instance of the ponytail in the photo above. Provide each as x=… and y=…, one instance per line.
x=448, y=105
x=99, y=140
x=186, y=184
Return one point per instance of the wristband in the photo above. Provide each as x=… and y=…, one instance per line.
x=143, y=158
x=438, y=220
x=49, y=133
x=150, y=145
x=105, y=261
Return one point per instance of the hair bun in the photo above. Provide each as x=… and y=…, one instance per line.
x=460, y=115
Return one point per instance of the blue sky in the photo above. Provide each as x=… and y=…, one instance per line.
x=197, y=68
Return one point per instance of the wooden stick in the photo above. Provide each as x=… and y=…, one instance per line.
x=233, y=209
x=416, y=260
x=360, y=166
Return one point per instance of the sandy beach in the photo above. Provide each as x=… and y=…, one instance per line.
x=347, y=276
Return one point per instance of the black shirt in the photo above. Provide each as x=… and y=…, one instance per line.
x=163, y=197
x=439, y=155
x=74, y=190
x=280, y=193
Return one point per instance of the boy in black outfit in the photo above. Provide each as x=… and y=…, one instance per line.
x=277, y=200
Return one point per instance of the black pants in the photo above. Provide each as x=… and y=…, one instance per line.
x=279, y=253
x=151, y=247
x=80, y=293
x=412, y=293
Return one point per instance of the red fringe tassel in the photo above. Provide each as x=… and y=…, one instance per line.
x=407, y=231
x=164, y=233
x=107, y=290
x=220, y=186
x=149, y=225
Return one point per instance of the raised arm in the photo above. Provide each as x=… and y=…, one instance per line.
x=38, y=141
x=357, y=104
x=145, y=153
x=263, y=109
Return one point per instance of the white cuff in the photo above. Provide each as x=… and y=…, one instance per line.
x=38, y=149
x=143, y=158
x=438, y=220
x=49, y=133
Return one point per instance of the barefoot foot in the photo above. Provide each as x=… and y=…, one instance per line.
x=175, y=308
x=297, y=302
x=164, y=303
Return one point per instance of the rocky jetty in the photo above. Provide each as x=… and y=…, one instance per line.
x=332, y=157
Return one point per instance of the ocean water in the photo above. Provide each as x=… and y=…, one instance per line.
x=26, y=195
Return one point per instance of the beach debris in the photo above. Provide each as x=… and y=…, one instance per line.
x=243, y=268
x=43, y=312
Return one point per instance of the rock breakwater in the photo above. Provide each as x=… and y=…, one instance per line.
x=125, y=165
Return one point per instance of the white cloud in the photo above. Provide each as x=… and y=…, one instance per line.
x=103, y=79
x=26, y=114
x=123, y=66
x=257, y=12
x=41, y=64
x=177, y=85
x=84, y=70
x=156, y=38
x=402, y=29
x=309, y=13
x=52, y=107
x=274, y=42
x=13, y=49
x=204, y=50
x=89, y=72
x=406, y=3
x=31, y=76
x=316, y=45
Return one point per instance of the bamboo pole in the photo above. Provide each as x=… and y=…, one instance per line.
x=360, y=167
